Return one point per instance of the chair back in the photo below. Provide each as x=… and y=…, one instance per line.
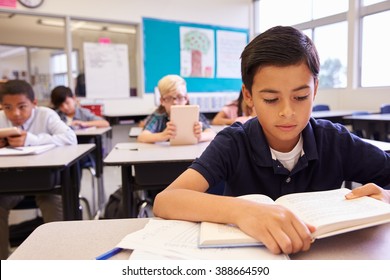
x=321, y=107
x=385, y=109
x=360, y=113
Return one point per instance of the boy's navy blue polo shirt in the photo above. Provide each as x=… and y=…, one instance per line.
x=240, y=156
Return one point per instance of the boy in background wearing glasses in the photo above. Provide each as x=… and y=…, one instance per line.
x=158, y=128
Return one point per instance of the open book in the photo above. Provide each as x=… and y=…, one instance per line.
x=29, y=150
x=328, y=211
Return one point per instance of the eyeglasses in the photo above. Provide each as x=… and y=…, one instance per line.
x=179, y=98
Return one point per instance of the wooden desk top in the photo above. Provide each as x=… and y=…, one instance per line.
x=132, y=153
x=58, y=156
x=85, y=240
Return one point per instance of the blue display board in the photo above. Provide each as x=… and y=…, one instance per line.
x=162, y=54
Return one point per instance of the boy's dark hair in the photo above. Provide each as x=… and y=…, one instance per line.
x=59, y=95
x=15, y=87
x=278, y=46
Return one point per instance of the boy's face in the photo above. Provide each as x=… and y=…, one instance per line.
x=283, y=98
x=68, y=106
x=17, y=108
x=173, y=98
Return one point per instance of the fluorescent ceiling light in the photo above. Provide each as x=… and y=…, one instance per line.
x=121, y=30
x=87, y=26
x=12, y=51
x=51, y=22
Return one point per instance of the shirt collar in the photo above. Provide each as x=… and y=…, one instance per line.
x=28, y=123
x=261, y=153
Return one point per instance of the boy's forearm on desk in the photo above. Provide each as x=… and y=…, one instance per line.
x=148, y=137
x=194, y=206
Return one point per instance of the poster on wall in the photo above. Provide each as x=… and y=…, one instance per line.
x=197, y=55
x=106, y=70
x=230, y=45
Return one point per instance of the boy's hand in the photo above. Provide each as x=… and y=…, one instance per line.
x=79, y=123
x=277, y=227
x=169, y=132
x=371, y=190
x=3, y=142
x=17, y=141
x=198, y=130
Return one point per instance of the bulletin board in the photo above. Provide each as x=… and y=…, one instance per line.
x=206, y=56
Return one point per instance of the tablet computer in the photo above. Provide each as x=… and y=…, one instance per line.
x=9, y=131
x=184, y=117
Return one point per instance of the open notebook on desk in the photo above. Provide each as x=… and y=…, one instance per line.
x=29, y=150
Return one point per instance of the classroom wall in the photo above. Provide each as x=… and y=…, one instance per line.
x=234, y=13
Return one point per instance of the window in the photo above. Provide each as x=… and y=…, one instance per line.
x=278, y=12
x=333, y=56
x=324, y=21
x=59, y=68
x=375, y=51
x=366, y=44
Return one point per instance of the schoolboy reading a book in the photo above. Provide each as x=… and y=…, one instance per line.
x=71, y=113
x=283, y=150
x=39, y=125
x=158, y=128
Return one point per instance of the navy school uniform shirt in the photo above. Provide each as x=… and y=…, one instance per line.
x=240, y=156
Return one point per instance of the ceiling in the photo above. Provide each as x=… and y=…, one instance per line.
x=33, y=23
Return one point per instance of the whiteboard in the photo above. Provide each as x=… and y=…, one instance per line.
x=106, y=70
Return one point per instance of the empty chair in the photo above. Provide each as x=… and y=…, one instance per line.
x=385, y=109
x=321, y=107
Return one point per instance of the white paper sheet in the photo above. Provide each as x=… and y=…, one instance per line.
x=171, y=239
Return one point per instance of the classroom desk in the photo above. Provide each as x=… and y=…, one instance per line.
x=335, y=116
x=115, y=119
x=136, y=130
x=155, y=166
x=85, y=240
x=34, y=174
x=373, y=123
x=385, y=146
x=96, y=136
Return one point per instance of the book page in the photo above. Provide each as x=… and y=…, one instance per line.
x=222, y=235
x=330, y=211
x=172, y=239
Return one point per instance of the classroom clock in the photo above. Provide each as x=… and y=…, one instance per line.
x=31, y=3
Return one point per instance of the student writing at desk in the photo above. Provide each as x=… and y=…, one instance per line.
x=40, y=125
x=283, y=150
x=158, y=128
